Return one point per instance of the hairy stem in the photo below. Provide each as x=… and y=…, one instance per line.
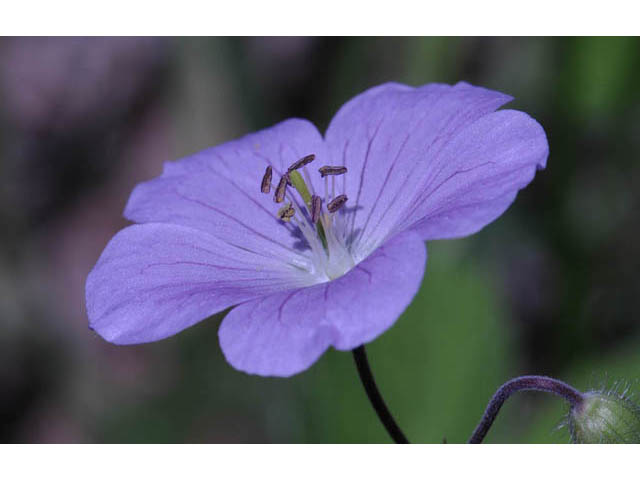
x=364, y=370
x=527, y=382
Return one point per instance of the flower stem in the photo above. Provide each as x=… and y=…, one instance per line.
x=364, y=370
x=527, y=382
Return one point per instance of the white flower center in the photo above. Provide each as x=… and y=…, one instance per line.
x=334, y=259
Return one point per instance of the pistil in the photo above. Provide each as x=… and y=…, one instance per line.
x=298, y=183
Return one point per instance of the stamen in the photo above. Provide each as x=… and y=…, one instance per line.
x=326, y=189
x=286, y=213
x=316, y=208
x=265, y=187
x=281, y=189
x=302, y=162
x=331, y=170
x=335, y=204
x=304, y=210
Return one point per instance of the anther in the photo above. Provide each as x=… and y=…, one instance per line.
x=302, y=162
x=286, y=213
x=281, y=189
x=265, y=187
x=316, y=208
x=331, y=170
x=335, y=204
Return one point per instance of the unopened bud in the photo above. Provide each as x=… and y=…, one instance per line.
x=605, y=417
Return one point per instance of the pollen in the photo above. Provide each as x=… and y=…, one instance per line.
x=302, y=162
x=316, y=208
x=286, y=213
x=265, y=186
x=331, y=170
x=281, y=189
x=337, y=203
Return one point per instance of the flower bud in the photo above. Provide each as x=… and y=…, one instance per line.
x=605, y=417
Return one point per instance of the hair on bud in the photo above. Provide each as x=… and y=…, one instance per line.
x=609, y=416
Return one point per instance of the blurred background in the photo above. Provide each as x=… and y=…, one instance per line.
x=550, y=288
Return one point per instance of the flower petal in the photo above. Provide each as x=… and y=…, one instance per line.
x=154, y=280
x=478, y=174
x=387, y=138
x=218, y=190
x=285, y=333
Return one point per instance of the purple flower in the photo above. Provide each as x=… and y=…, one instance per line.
x=421, y=163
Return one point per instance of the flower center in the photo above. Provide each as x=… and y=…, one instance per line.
x=323, y=228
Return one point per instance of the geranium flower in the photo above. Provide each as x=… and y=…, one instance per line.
x=328, y=253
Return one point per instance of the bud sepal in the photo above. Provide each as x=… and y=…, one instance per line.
x=605, y=417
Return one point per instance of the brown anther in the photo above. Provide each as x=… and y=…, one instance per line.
x=331, y=170
x=281, y=189
x=265, y=187
x=302, y=162
x=286, y=213
x=316, y=208
x=335, y=204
